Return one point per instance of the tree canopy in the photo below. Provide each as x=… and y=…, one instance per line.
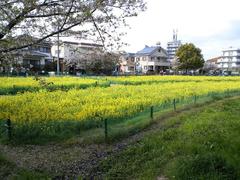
x=189, y=57
x=46, y=18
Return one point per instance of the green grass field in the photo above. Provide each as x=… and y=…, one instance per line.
x=203, y=143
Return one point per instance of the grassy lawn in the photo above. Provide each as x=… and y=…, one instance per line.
x=199, y=144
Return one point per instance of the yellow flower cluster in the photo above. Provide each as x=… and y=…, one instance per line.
x=160, y=79
x=96, y=103
x=12, y=85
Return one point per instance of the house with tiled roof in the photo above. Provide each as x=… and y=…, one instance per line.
x=212, y=64
x=127, y=63
x=152, y=59
x=35, y=57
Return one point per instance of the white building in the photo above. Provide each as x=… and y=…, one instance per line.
x=76, y=55
x=230, y=60
x=173, y=46
x=151, y=59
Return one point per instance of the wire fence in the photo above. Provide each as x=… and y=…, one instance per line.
x=154, y=113
x=110, y=130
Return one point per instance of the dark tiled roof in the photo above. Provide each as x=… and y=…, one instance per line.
x=35, y=53
x=83, y=44
x=130, y=54
x=147, y=50
x=214, y=59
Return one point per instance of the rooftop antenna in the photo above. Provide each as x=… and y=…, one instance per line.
x=176, y=34
x=173, y=34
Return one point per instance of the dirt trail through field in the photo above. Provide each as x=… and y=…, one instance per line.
x=77, y=159
x=70, y=160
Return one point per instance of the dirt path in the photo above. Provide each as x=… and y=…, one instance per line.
x=77, y=159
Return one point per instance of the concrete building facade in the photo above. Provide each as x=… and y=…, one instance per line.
x=173, y=46
x=230, y=60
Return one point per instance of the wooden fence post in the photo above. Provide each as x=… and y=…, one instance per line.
x=228, y=93
x=174, y=104
x=164, y=104
x=151, y=112
x=9, y=129
x=195, y=99
x=105, y=129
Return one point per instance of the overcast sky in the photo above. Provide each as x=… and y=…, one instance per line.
x=212, y=25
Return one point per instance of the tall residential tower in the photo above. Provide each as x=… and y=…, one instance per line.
x=173, y=46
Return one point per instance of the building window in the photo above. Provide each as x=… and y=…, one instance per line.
x=25, y=62
x=46, y=50
x=145, y=68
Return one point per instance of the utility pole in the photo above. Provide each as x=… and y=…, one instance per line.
x=58, y=49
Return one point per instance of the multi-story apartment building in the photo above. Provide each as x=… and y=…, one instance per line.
x=230, y=60
x=151, y=59
x=76, y=55
x=172, y=47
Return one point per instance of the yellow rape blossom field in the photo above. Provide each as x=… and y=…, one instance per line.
x=14, y=85
x=41, y=113
x=136, y=80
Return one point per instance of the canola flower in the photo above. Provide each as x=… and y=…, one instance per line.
x=10, y=82
x=95, y=104
x=136, y=80
x=13, y=85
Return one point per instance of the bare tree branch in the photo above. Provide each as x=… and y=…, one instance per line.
x=99, y=31
x=38, y=18
x=49, y=35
